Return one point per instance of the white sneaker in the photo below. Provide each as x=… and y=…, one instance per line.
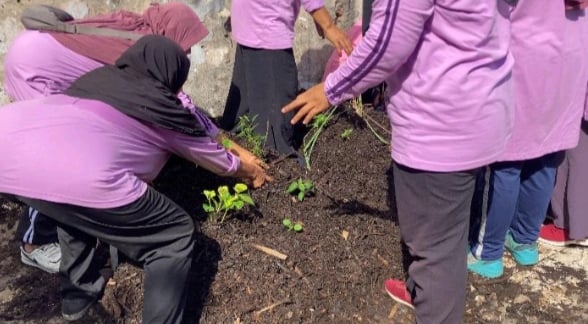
x=46, y=257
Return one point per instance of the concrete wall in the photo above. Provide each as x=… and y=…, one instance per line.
x=212, y=59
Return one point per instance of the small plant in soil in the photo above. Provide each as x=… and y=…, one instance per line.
x=292, y=226
x=221, y=202
x=319, y=123
x=347, y=133
x=301, y=188
x=254, y=141
x=227, y=143
x=357, y=106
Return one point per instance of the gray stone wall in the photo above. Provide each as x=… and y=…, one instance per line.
x=212, y=59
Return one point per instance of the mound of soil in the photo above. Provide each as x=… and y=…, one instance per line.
x=334, y=269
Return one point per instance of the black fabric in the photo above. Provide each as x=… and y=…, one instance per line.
x=433, y=210
x=263, y=82
x=36, y=228
x=152, y=231
x=144, y=84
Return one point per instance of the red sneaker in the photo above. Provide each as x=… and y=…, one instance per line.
x=397, y=290
x=552, y=235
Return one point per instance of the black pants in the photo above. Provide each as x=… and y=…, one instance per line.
x=36, y=228
x=152, y=231
x=433, y=214
x=263, y=82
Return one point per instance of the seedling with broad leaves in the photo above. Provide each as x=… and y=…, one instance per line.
x=301, y=188
x=221, y=202
x=292, y=226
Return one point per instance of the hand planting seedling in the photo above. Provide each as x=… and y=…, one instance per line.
x=301, y=188
x=346, y=133
x=292, y=226
x=219, y=205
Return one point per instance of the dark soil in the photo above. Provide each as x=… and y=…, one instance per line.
x=335, y=268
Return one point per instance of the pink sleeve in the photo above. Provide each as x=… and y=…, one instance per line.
x=396, y=27
x=208, y=125
x=203, y=151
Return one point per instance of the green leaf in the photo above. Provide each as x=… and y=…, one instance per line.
x=297, y=227
x=238, y=204
x=227, y=143
x=223, y=191
x=207, y=208
x=301, y=187
x=209, y=194
x=292, y=187
x=308, y=185
x=301, y=196
x=240, y=187
x=287, y=222
x=247, y=199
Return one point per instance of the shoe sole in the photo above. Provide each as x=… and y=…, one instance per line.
x=78, y=315
x=24, y=259
x=398, y=300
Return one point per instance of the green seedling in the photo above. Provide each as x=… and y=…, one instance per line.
x=292, y=226
x=221, y=202
x=358, y=107
x=227, y=143
x=346, y=133
x=254, y=141
x=319, y=122
x=301, y=188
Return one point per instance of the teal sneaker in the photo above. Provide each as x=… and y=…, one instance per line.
x=523, y=254
x=487, y=269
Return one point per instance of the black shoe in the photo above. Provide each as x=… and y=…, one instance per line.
x=72, y=309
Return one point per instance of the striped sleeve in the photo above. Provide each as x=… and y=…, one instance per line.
x=396, y=28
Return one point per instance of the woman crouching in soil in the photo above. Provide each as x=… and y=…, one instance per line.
x=102, y=141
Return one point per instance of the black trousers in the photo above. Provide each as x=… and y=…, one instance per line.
x=434, y=214
x=152, y=231
x=36, y=228
x=263, y=82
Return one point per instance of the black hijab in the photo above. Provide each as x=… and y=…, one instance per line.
x=143, y=84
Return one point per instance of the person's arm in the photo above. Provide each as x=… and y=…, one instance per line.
x=209, y=154
x=395, y=30
x=327, y=28
x=238, y=150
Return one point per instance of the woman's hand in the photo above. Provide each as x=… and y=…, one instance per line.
x=241, y=152
x=309, y=104
x=253, y=173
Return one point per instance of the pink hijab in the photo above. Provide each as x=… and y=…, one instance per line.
x=174, y=20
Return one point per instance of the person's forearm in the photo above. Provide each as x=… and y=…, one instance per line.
x=231, y=146
x=322, y=18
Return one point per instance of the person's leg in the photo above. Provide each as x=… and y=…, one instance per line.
x=236, y=104
x=272, y=80
x=504, y=186
x=366, y=15
x=153, y=231
x=433, y=214
x=81, y=283
x=537, y=181
x=576, y=220
x=38, y=234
